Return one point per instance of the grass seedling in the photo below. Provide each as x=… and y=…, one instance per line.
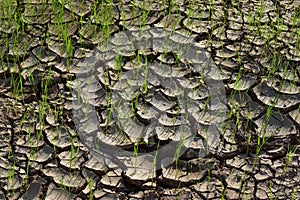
x=11, y=166
x=90, y=184
x=179, y=147
x=289, y=156
x=270, y=190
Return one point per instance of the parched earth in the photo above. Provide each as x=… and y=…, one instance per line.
x=253, y=152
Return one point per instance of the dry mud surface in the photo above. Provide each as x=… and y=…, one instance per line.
x=43, y=157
